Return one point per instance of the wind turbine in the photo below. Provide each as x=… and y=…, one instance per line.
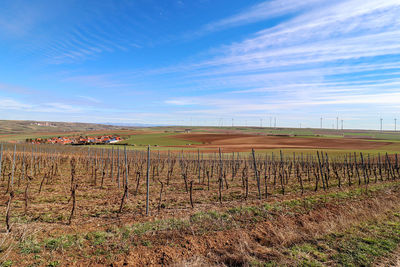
x=337, y=123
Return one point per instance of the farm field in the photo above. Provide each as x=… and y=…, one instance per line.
x=237, y=139
x=159, y=140
x=245, y=142
x=295, y=201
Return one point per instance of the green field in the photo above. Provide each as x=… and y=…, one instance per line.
x=156, y=139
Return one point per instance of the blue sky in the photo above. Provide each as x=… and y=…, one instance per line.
x=201, y=62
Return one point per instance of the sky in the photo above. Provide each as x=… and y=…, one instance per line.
x=202, y=62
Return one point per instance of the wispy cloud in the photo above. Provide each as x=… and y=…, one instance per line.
x=16, y=89
x=12, y=104
x=266, y=10
x=67, y=32
x=98, y=80
x=363, y=105
x=90, y=99
x=341, y=53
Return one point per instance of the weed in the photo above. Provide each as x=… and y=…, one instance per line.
x=53, y=264
x=7, y=263
x=62, y=242
x=147, y=243
x=96, y=238
x=30, y=245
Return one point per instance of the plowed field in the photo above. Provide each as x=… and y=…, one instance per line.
x=245, y=142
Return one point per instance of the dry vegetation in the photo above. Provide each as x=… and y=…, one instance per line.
x=85, y=206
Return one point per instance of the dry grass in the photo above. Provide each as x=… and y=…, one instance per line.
x=248, y=243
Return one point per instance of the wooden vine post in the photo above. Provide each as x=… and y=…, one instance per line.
x=125, y=195
x=74, y=186
x=220, y=176
x=191, y=194
x=11, y=194
x=126, y=171
x=147, y=180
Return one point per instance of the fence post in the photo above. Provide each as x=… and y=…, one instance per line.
x=220, y=184
x=147, y=180
x=118, y=167
x=112, y=163
x=126, y=170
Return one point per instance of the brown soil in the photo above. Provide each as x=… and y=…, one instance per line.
x=245, y=142
x=237, y=247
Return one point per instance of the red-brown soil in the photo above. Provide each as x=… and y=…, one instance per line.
x=245, y=142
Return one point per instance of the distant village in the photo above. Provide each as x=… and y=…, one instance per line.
x=62, y=140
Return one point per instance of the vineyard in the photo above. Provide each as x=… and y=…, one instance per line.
x=148, y=198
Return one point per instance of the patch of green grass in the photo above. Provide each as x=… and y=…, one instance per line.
x=101, y=252
x=29, y=246
x=160, y=139
x=102, y=212
x=62, y=242
x=54, y=243
x=97, y=238
x=125, y=232
x=309, y=255
x=252, y=213
x=147, y=243
x=53, y=264
x=51, y=218
x=387, y=136
x=258, y=263
x=7, y=263
x=358, y=246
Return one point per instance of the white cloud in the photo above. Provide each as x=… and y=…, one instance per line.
x=98, y=81
x=13, y=104
x=262, y=11
x=90, y=99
